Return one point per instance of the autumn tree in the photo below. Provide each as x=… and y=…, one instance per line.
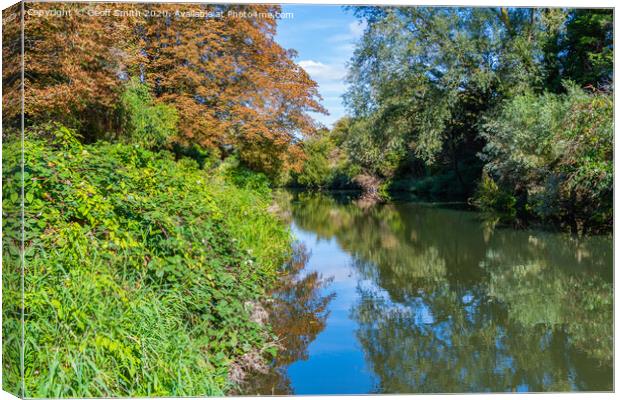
x=11, y=68
x=74, y=64
x=236, y=90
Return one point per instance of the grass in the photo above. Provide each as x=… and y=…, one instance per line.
x=139, y=270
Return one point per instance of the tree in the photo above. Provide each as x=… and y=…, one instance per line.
x=11, y=68
x=556, y=153
x=74, y=65
x=584, y=51
x=327, y=160
x=421, y=76
x=316, y=171
x=235, y=88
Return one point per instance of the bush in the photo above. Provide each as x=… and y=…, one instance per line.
x=139, y=270
x=326, y=164
x=316, y=171
x=146, y=123
x=242, y=177
x=557, y=151
x=491, y=199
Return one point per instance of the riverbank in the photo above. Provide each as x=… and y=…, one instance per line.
x=515, y=166
x=498, y=208
x=140, y=271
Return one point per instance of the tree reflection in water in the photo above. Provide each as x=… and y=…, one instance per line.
x=449, y=304
x=297, y=315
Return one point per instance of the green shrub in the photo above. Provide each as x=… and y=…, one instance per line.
x=317, y=171
x=491, y=199
x=146, y=123
x=327, y=164
x=556, y=150
x=242, y=177
x=138, y=271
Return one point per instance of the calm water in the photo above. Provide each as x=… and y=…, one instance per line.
x=412, y=298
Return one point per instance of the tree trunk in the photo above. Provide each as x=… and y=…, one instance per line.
x=370, y=185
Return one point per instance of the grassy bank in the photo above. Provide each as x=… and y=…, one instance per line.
x=140, y=271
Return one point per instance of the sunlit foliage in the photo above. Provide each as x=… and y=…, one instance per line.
x=327, y=163
x=138, y=269
x=150, y=125
x=232, y=84
x=417, y=70
x=555, y=152
x=234, y=88
x=430, y=87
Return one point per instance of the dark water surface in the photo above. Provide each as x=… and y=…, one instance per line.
x=417, y=298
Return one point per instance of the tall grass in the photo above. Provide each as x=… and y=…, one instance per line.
x=138, y=271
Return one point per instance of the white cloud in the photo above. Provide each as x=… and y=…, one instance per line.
x=356, y=30
x=345, y=48
x=324, y=72
x=337, y=88
x=331, y=47
x=330, y=78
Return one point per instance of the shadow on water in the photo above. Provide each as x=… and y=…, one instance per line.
x=442, y=302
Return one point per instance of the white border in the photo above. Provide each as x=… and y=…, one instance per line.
x=480, y=3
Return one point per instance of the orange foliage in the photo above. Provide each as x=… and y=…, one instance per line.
x=234, y=86
x=11, y=68
x=73, y=64
x=235, y=89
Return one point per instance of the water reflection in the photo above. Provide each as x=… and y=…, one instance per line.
x=297, y=315
x=440, y=302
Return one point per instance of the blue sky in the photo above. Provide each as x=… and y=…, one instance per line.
x=324, y=37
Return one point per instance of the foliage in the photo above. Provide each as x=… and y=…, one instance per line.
x=11, y=68
x=583, y=52
x=491, y=199
x=242, y=177
x=327, y=163
x=139, y=269
x=150, y=125
x=419, y=74
x=73, y=66
x=379, y=155
x=430, y=87
x=557, y=152
x=316, y=170
x=440, y=185
x=235, y=88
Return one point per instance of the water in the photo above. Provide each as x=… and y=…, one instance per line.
x=417, y=298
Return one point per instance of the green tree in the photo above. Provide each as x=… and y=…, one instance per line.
x=555, y=152
x=316, y=171
x=328, y=163
x=584, y=50
x=146, y=123
x=421, y=76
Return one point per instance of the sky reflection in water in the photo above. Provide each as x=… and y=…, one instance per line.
x=417, y=298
